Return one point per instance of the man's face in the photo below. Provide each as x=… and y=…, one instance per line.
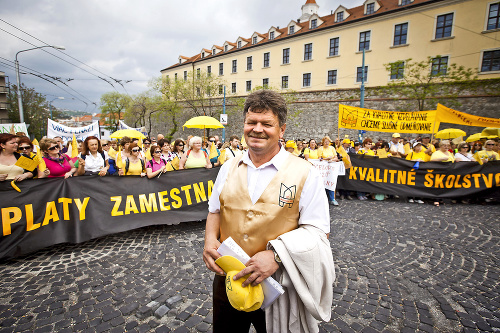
x=262, y=131
x=234, y=143
x=59, y=142
x=426, y=140
x=395, y=140
x=346, y=145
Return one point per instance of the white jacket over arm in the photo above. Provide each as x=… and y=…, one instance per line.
x=307, y=274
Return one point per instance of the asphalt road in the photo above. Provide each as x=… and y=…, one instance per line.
x=401, y=267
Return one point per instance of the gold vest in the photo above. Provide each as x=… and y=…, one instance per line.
x=275, y=212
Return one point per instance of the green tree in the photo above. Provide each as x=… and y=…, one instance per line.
x=35, y=109
x=167, y=103
x=113, y=106
x=428, y=82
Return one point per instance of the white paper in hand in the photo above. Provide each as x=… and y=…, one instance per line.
x=271, y=288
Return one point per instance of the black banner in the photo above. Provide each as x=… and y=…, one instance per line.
x=74, y=210
x=425, y=179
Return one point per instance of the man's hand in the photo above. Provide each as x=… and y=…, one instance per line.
x=210, y=254
x=261, y=266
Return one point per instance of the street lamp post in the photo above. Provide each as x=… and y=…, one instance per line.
x=50, y=105
x=19, y=98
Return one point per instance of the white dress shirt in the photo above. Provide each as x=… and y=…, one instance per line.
x=95, y=164
x=313, y=203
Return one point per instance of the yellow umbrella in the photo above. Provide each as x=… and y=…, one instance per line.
x=492, y=132
x=449, y=133
x=474, y=137
x=127, y=132
x=203, y=122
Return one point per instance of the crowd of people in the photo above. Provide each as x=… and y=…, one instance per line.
x=151, y=157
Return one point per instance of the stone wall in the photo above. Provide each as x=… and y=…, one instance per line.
x=315, y=114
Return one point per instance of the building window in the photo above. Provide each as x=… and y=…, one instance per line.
x=491, y=61
x=397, y=70
x=291, y=30
x=308, y=51
x=314, y=23
x=185, y=75
x=235, y=66
x=340, y=16
x=364, y=40
x=439, y=66
x=400, y=34
x=239, y=44
x=265, y=83
x=254, y=40
x=213, y=52
x=249, y=63
x=221, y=89
x=198, y=73
x=334, y=47
x=198, y=91
x=286, y=56
x=444, y=25
x=225, y=48
x=180, y=61
x=202, y=55
x=306, y=80
x=405, y=2
x=249, y=85
x=266, y=59
x=233, y=87
x=271, y=35
x=494, y=16
x=370, y=8
x=209, y=71
x=359, y=74
x=284, y=82
x=221, y=68
x=332, y=77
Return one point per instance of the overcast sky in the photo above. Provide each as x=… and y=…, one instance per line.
x=124, y=39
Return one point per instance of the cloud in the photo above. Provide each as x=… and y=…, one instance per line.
x=128, y=40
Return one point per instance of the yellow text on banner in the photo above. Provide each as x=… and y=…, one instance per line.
x=386, y=121
x=447, y=115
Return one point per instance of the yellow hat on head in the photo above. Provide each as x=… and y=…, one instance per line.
x=247, y=298
x=396, y=135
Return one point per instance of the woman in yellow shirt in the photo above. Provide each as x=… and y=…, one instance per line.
x=312, y=151
x=442, y=154
x=327, y=153
x=133, y=165
x=367, y=145
x=417, y=154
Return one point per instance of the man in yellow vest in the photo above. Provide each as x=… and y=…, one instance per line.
x=271, y=204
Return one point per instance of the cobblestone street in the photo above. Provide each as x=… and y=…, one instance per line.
x=401, y=267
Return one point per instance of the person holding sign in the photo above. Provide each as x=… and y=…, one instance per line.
x=269, y=195
x=58, y=164
x=328, y=153
x=9, y=158
x=25, y=147
x=157, y=164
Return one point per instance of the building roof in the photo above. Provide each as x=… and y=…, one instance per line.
x=356, y=14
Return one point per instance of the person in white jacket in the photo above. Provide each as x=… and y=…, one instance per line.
x=272, y=204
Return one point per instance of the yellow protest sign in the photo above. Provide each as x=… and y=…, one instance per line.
x=27, y=163
x=213, y=152
x=386, y=121
x=447, y=115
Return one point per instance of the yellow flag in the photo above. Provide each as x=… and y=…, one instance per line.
x=74, y=147
x=12, y=130
x=213, y=152
x=407, y=148
x=35, y=142
x=140, y=143
x=119, y=161
x=222, y=157
x=112, y=153
x=381, y=153
x=345, y=157
x=27, y=163
x=41, y=164
x=243, y=142
x=148, y=155
x=173, y=165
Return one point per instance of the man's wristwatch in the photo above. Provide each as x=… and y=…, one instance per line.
x=276, y=257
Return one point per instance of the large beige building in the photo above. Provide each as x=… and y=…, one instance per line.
x=4, y=118
x=316, y=53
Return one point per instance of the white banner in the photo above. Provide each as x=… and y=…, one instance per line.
x=329, y=172
x=18, y=127
x=139, y=129
x=66, y=133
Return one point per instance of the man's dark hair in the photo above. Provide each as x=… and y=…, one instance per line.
x=266, y=99
x=233, y=137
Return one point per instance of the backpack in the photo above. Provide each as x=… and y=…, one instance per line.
x=151, y=162
x=127, y=164
x=102, y=154
x=203, y=150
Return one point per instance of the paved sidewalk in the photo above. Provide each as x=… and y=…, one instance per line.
x=401, y=267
